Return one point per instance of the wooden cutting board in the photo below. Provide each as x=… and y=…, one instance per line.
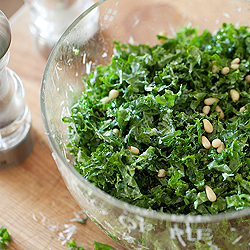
x=35, y=205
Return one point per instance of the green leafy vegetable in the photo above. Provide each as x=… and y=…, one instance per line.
x=159, y=112
x=4, y=237
x=100, y=246
x=72, y=245
x=83, y=220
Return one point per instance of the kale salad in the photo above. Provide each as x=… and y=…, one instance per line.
x=167, y=127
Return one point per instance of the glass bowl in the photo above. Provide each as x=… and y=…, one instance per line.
x=89, y=42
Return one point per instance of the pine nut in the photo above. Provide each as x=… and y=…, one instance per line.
x=113, y=94
x=206, y=109
x=161, y=173
x=218, y=109
x=211, y=100
x=235, y=66
x=205, y=142
x=236, y=61
x=162, y=33
x=234, y=95
x=242, y=109
x=133, y=150
x=207, y=126
x=216, y=143
x=210, y=194
x=221, y=148
x=247, y=78
x=215, y=68
x=225, y=70
x=116, y=130
x=105, y=100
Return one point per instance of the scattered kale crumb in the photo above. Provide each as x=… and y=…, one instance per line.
x=158, y=112
x=101, y=246
x=43, y=143
x=98, y=246
x=4, y=238
x=72, y=245
x=83, y=220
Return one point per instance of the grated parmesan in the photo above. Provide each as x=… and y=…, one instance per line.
x=225, y=175
x=34, y=217
x=68, y=231
x=77, y=217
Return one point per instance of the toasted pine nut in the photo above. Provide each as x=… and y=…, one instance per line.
x=205, y=142
x=133, y=150
x=236, y=61
x=242, y=109
x=235, y=66
x=211, y=100
x=215, y=68
x=162, y=33
x=216, y=143
x=161, y=173
x=234, y=95
x=206, y=109
x=247, y=78
x=218, y=109
x=221, y=148
x=225, y=70
x=210, y=194
x=116, y=130
x=113, y=94
x=105, y=100
x=207, y=126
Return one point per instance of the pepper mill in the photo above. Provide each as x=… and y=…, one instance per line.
x=16, y=137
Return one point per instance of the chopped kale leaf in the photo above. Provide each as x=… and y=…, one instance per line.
x=159, y=112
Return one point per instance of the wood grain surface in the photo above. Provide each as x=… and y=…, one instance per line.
x=35, y=205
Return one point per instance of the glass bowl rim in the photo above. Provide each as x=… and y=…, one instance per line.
x=179, y=218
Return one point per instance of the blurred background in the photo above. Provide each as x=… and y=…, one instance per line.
x=9, y=7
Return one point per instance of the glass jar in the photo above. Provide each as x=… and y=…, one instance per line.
x=50, y=18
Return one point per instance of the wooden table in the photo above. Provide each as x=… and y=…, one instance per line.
x=35, y=204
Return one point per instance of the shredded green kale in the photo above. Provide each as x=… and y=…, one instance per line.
x=83, y=220
x=72, y=245
x=159, y=112
x=4, y=238
x=100, y=246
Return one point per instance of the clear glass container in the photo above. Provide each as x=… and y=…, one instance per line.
x=87, y=44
